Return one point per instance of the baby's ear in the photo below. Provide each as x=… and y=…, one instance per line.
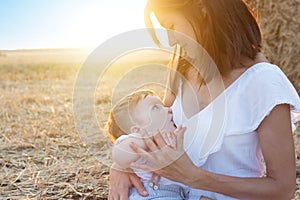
x=135, y=129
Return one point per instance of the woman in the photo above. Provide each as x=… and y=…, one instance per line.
x=259, y=104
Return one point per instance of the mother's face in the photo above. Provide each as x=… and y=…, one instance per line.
x=179, y=30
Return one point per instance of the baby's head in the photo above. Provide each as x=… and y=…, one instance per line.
x=141, y=109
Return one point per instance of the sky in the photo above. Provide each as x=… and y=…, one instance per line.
x=35, y=24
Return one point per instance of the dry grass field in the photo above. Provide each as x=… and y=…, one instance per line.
x=42, y=153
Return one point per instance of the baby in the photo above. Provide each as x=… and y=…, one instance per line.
x=143, y=110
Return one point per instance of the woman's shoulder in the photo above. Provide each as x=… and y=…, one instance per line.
x=262, y=73
x=260, y=89
x=265, y=80
x=260, y=65
x=263, y=66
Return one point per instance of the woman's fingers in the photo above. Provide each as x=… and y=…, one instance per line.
x=119, y=185
x=121, y=182
x=165, y=137
x=178, y=130
x=160, y=141
x=146, y=155
x=136, y=182
x=113, y=195
x=148, y=141
x=169, y=138
x=172, y=139
x=123, y=197
x=179, y=137
x=142, y=167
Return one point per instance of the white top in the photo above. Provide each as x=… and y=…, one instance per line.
x=222, y=137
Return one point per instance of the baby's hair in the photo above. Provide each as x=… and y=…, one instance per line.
x=120, y=120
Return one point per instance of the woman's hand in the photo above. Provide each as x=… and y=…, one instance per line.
x=120, y=183
x=165, y=160
x=169, y=138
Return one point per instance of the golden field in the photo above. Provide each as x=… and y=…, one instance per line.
x=44, y=154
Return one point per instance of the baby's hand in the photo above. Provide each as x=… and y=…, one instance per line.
x=170, y=138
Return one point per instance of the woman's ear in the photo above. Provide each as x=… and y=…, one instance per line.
x=135, y=129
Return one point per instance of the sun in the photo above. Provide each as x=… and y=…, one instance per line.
x=98, y=21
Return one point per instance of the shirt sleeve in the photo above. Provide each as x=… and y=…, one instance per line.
x=124, y=137
x=261, y=90
x=121, y=138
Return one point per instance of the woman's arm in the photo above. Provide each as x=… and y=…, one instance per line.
x=123, y=155
x=278, y=150
x=275, y=136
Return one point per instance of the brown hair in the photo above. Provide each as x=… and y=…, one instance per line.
x=226, y=29
x=120, y=120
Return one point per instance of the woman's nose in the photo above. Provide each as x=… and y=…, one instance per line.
x=171, y=38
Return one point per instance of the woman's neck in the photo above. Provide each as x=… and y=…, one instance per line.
x=246, y=62
x=243, y=64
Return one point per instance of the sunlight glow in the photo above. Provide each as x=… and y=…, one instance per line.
x=93, y=25
x=66, y=23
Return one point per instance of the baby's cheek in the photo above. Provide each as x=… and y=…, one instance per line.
x=155, y=125
x=160, y=124
x=158, y=121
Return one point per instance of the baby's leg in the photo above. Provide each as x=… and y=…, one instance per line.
x=163, y=192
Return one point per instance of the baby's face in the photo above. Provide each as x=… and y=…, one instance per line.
x=152, y=115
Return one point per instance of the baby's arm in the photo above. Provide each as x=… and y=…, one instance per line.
x=123, y=155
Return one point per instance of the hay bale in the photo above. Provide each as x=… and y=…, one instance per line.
x=280, y=24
